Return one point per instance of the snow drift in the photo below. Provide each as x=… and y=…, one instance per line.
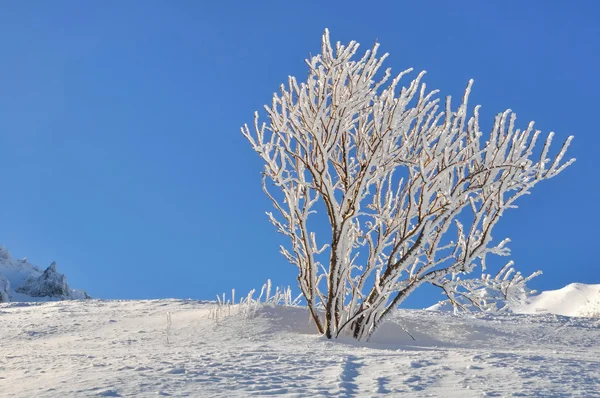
x=23, y=281
x=576, y=300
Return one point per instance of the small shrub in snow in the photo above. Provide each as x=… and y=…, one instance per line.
x=248, y=305
x=409, y=188
x=168, y=328
x=592, y=308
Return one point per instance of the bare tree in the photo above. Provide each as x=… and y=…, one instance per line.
x=396, y=173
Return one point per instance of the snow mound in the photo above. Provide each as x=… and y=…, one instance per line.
x=443, y=306
x=23, y=281
x=576, y=299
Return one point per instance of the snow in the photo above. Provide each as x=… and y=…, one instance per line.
x=129, y=348
x=576, y=299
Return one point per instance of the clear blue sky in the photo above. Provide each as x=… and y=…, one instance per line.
x=121, y=156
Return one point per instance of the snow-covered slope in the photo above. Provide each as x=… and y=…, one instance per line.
x=576, y=299
x=23, y=281
x=130, y=349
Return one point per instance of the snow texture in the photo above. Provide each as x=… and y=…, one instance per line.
x=576, y=299
x=25, y=282
x=127, y=348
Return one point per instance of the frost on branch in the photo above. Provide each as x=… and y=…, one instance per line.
x=500, y=293
x=408, y=186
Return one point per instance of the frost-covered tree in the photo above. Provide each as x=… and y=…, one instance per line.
x=409, y=188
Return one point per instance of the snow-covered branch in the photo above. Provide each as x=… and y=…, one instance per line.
x=408, y=187
x=506, y=290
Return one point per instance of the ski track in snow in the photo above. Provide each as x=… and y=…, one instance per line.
x=120, y=349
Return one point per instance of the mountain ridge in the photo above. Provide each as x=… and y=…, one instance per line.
x=22, y=281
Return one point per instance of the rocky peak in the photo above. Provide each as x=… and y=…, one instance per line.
x=22, y=281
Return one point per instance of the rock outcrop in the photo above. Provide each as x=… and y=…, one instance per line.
x=4, y=289
x=23, y=281
x=50, y=284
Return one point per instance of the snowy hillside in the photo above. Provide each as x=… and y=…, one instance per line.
x=576, y=299
x=127, y=348
x=23, y=281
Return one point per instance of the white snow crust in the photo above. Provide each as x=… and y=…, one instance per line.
x=120, y=349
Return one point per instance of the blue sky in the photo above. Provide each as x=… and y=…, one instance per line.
x=121, y=156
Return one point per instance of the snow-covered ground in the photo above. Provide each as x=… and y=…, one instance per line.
x=119, y=348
